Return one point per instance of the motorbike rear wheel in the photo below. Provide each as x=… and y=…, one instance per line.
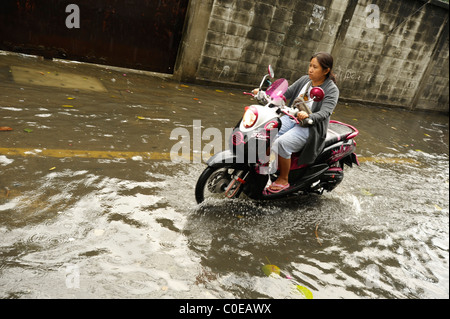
x=217, y=183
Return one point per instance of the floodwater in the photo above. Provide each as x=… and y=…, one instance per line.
x=86, y=212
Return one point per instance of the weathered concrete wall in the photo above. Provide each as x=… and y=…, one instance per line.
x=387, y=65
x=433, y=93
x=399, y=59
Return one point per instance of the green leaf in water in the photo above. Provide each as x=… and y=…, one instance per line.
x=270, y=269
x=305, y=292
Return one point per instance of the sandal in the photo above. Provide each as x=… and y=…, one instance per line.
x=269, y=190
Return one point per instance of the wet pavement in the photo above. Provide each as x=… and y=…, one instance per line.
x=93, y=206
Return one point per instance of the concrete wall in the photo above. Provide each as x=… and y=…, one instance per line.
x=399, y=59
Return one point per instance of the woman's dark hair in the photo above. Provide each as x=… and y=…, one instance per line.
x=326, y=62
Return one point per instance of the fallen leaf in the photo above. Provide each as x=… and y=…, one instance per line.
x=366, y=192
x=437, y=207
x=5, y=128
x=71, y=98
x=220, y=91
x=317, y=235
x=53, y=168
x=184, y=86
x=427, y=135
x=65, y=105
x=28, y=130
x=196, y=98
x=270, y=269
x=305, y=292
x=141, y=118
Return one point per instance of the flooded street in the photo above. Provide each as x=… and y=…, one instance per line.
x=92, y=206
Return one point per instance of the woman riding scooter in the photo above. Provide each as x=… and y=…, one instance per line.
x=308, y=138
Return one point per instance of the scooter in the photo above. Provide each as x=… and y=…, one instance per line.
x=246, y=168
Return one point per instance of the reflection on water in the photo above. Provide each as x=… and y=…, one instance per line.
x=145, y=237
x=382, y=233
x=121, y=235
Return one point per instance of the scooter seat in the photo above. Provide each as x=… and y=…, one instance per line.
x=338, y=131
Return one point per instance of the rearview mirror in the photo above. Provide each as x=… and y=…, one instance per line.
x=317, y=94
x=270, y=69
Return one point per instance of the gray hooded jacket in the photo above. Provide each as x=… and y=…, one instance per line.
x=321, y=113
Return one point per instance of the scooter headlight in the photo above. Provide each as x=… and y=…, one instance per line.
x=250, y=116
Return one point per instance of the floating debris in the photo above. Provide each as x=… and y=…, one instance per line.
x=271, y=269
x=317, y=235
x=305, y=292
x=365, y=192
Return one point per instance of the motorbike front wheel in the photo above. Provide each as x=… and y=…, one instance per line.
x=218, y=183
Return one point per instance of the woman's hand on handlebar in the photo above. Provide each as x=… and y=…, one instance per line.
x=302, y=115
x=252, y=93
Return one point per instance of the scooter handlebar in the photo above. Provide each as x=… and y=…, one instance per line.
x=261, y=96
x=292, y=113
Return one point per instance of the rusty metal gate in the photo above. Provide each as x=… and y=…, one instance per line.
x=140, y=34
